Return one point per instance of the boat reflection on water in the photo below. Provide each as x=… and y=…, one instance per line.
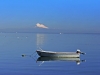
x=47, y=59
x=43, y=59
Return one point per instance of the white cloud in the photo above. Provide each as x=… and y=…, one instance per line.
x=41, y=26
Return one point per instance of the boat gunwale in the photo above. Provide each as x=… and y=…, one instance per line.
x=56, y=52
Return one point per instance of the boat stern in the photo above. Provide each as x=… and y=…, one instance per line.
x=79, y=52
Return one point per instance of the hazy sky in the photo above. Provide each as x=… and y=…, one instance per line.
x=60, y=14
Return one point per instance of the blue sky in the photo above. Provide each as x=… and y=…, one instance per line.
x=72, y=15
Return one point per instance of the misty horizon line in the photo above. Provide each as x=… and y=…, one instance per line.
x=40, y=30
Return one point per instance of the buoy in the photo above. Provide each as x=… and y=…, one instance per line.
x=23, y=55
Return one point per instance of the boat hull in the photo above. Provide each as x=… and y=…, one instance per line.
x=58, y=54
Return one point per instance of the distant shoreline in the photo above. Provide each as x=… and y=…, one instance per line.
x=46, y=31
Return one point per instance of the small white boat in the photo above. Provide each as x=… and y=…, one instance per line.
x=43, y=53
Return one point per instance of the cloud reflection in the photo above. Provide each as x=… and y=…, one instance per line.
x=40, y=40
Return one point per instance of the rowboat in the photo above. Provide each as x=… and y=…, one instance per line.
x=43, y=53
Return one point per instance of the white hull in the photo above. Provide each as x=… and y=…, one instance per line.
x=57, y=54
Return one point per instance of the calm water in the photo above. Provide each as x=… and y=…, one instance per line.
x=13, y=45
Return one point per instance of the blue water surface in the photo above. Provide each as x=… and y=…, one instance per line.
x=14, y=45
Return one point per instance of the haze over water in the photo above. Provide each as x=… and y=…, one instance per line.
x=13, y=45
x=55, y=25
